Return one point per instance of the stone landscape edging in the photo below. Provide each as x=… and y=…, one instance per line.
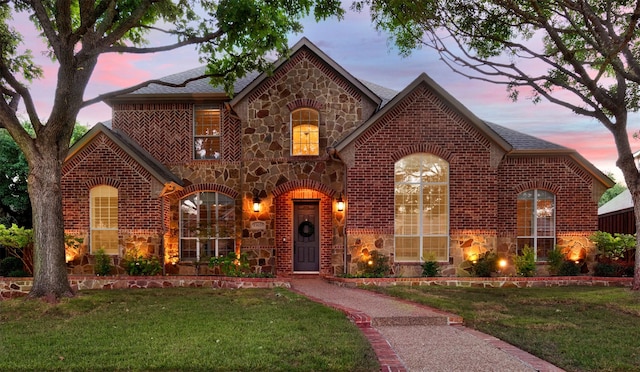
x=18, y=287
x=493, y=282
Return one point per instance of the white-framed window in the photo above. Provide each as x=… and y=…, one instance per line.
x=207, y=132
x=421, y=207
x=536, y=222
x=305, y=133
x=104, y=219
x=207, y=226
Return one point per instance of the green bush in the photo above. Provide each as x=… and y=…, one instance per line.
x=613, y=246
x=231, y=264
x=430, y=268
x=569, y=268
x=613, y=269
x=377, y=266
x=486, y=264
x=10, y=264
x=136, y=264
x=525, y=263
x=607, y=269
x=18, y=274
x=555, y=258
x=103, y=263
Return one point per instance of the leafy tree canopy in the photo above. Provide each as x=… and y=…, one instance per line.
x=15, y=206
x=612, y=192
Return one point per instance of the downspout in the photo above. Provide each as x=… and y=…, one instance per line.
x=333, y=153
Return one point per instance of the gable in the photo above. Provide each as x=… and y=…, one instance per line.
x=120, y=148
x=305, y=50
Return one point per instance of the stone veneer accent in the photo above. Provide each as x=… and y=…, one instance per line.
x=463, y=245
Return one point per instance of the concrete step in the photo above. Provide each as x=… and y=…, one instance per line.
x=409, y=321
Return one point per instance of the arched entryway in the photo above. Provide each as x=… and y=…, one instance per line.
x=304, y=228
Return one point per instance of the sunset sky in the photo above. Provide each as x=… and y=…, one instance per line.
x=355, y=45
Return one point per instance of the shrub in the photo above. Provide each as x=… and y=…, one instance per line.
x=10, y=264
x=610, y=269
x=607, y=269
x=555, y=259
x=136, y=264
x=525, y=263
x=18, y=274
x=231, y=264
x=613, y=246
x=486, y=264
x=103, y=263
x=430, y=268
x=376, y=266
x=569, y=268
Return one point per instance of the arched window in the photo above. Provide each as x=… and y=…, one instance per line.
x=305, y=132
x=421, y=208
x=537, y=222
x=207, y=225
x=104, y=219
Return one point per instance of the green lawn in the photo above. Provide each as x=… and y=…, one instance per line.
x=180, y=329
x=575, y=328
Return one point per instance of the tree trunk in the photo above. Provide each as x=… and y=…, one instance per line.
x=50, y=279
x=636, y=266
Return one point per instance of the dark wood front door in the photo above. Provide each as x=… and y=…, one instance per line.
x=306, y=247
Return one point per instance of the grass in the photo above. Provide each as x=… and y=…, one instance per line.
x=575, y=328
x=180, y=329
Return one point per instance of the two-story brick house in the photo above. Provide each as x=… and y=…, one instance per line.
x=310, y=168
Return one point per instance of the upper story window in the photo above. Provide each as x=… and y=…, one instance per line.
x=104, y=219
x=305, y=132
x=421, y=208
x=537, y=222
x=206, y=132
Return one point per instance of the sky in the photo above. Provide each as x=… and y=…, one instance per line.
x=367, y=54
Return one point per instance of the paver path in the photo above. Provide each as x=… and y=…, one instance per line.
x=411, y=337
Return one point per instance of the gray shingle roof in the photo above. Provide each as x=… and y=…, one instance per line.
x=199, y=86
x=385, y=93
x=521, y=141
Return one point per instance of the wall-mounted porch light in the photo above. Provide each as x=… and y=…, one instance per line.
x=340, y=205
x=256, y=203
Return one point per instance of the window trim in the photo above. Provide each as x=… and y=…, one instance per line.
x=292, y=126
x=92, y=219
x=421, y=234
x=195, y=136
x=534, y=223
x=215, y=239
